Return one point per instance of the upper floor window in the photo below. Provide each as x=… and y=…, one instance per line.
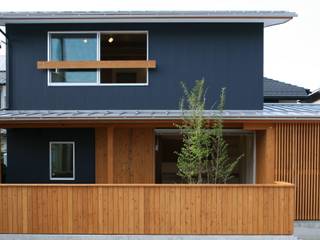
x=98, y=46
x=73, y=47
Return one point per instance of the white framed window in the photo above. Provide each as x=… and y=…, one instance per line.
x=98, y=46
x=62, y=160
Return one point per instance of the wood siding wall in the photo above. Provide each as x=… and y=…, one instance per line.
x=125, y=155
x=298, y=161
x=147, y=209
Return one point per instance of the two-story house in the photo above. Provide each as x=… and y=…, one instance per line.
x=93, y=98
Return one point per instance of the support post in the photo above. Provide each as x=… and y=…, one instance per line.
x=110, y=156
x=265, y=151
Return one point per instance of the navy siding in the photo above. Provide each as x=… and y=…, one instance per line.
x=28, y=154
x=226, y=55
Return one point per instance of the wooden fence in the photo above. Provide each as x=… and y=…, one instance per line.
x=298, y=161
x=147, y=209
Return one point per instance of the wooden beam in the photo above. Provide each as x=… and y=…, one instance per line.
x=161, y=123
x=256, y=125
x=110, y=154
x=96, y=64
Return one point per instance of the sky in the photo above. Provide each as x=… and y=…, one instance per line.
x=291, y=50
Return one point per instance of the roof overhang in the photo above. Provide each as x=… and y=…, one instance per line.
x=268, y=18
x=271, y=112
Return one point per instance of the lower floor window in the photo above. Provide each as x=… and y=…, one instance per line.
x=62, y=161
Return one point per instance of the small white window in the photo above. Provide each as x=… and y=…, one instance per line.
x=62, y=160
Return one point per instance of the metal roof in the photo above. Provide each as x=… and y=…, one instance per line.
x=276, y=89
x=270, y=111
x=269, y=18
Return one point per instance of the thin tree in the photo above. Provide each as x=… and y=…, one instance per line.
x=195, y=137
x=204, y=154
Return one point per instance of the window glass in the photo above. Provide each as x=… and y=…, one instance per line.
x=73, y=76
x=122, y=75
x=73, y=47
x=123, y=46
x=62, y=159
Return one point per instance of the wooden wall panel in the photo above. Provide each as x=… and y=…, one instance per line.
x=125, y=155
x=134, y=160
x=298, y=162
x=147, y=209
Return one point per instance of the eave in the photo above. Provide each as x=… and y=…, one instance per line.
x=268, y=18
x=270, y=113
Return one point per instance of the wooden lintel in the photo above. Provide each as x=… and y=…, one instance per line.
x=256, y=126
x=96, y=64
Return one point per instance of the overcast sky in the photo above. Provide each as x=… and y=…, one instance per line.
x=291, y=50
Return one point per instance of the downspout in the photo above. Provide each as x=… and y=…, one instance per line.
x=7, y=70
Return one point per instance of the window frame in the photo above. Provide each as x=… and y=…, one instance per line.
x=98, y=80
x=73, y=161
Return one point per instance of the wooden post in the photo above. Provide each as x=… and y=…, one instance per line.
x=0, y=170
x=1, y=159
x=101, y=154
x=270, y=155
x=110, y=154
x=265, y=151
x=104, y=146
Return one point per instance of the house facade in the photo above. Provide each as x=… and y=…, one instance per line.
x=93, y=103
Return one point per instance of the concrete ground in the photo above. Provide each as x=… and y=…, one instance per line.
x=139, y=237
x=307, y=230
x=305, y=233
x=303, y=230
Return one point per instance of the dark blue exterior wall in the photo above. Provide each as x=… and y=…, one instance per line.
x=28, y=154
x=226, y=55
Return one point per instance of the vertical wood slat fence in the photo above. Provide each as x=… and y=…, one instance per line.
x=298, y=162
x=147, y=209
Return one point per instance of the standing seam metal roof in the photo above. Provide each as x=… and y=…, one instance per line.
x=270, y=111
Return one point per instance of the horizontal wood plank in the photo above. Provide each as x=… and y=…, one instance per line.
x=147, y=208
x=96, y=64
